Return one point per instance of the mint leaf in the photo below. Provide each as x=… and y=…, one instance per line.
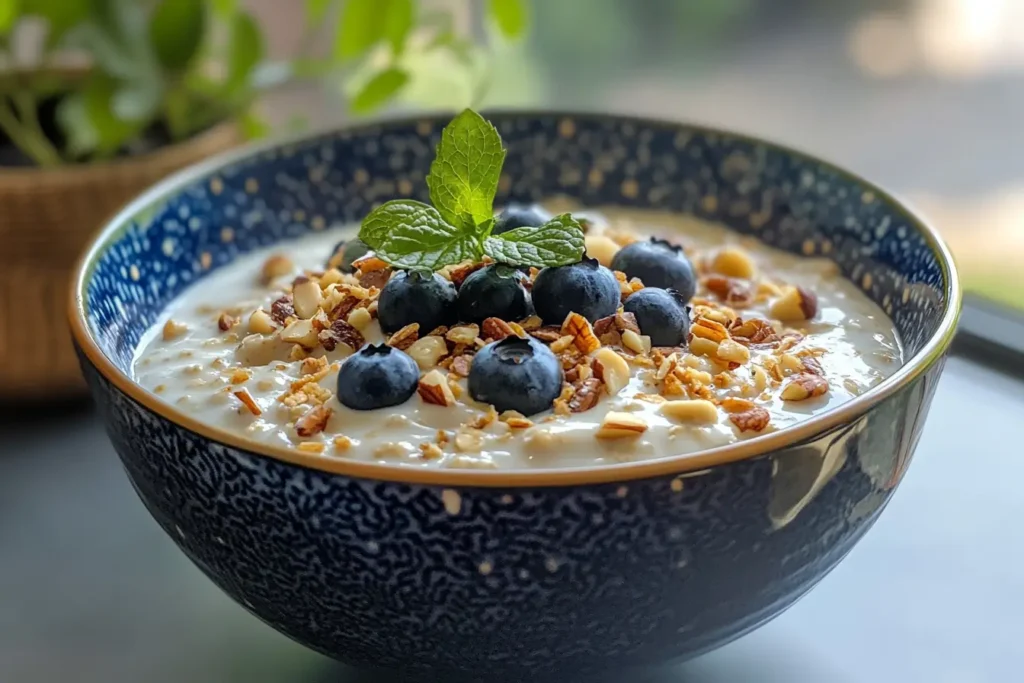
x=379, y=90
x=558, y=242
x=413, y=235
x=464, y=176
x=510, y=16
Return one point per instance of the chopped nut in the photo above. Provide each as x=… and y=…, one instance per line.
x=463, y=334
x=673, y=386
x=332, y=276
x=405, y=337
x=342, y=443
x=461, y=364
x=796, y=303
x=532, y=323
x=427, y=351
x=225, y=322
x=469, y=441
x=460, y=273
x=611, y=369
x=602, y=248
x=812, y=365
x=374, y=278
x=712, y=330
x=586, y=396
x=300, y=332
x=433, y=388
x=297, y=352
x=311, y=447
x=696, y=410
x=626, y=321
x=737, y=405
x=703, y=347
x=341, y=332
x=173, y=330
x=240, y=376
x=790, y=364
x=248, y=401
x=634, y=342
x=313, y=365
x=306, y=298
x=515, y=420
x=733, y=262
x=753, y=420
x=314, y=421
x=260, y=322
x=617, y=425
x=431, y=451
x=496, y=329
x=483, y=420
x=277, y=265
x=548, y=334
x=281, y=310
x=804, y=386
x=731, y=292
x=760, y=379
x=339, y=304
x=562, y=343
x=360, y=318
x=733, y=352
x=753, y=331
x=455, y=387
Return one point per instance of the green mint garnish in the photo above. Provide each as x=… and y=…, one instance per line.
x=557, y=242
x=463, y=182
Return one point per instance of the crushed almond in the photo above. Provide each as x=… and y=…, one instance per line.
x=619, y=425
x=248, y=401
x=463, y=334
x=804, y=386
x=431, y=451
x=311, y=447
x=405, y=337
x=173, y=329
x=433, y=388
x=277, y=265
x=313, y=421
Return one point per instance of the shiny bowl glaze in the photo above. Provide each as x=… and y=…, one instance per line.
x=527, y=573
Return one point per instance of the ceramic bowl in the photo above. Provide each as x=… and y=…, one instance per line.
x=515, y=574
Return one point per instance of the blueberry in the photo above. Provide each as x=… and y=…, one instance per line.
x=520, y=216
x=660, y=315
x=377, y=376
x=516, y=374
x=658, y=264
x=416, y=297
x=495, y=291
x=587, y=287
x=347, y=252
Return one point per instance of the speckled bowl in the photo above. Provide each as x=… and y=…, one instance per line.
x=515, y=574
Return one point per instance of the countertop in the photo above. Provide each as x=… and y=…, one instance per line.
x=92, y=591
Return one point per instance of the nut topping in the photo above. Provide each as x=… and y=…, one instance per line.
x=796, y=303
x=313, y=422
x=753, y=420
x=496, y=329
x=306, y=298
x=804, y=386
x=618, y=425
x=341, y=332
x=586, y=395
x=248, y=401
x=405, y=337
x=582, y=333
x=277, y=265
x=611, y=369
x=433, y=388
x=282, y=309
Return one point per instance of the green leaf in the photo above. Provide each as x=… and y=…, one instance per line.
x=360, y=25
x=137, y=101
x=379, y=90
x=224, y=8
x=410, y=234
x=316, y=11
x=364, y=23
x=558, y=242
x=510, y=16
x=90, y=123
x=463, y=178
x=8, y=14
x=176, y=30
x=254, y=126
x=60, y=15
x=398, y=21
x=246, y=51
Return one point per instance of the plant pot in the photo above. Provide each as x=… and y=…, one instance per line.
x=46, y=217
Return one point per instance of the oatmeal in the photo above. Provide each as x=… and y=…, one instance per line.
x=646, y=349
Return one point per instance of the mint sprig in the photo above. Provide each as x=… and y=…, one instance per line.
x=463, y=182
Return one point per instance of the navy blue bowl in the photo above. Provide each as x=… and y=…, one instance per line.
x=509, y=574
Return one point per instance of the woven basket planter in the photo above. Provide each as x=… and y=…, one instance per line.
x=46, y=217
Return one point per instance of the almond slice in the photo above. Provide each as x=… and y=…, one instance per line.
x=696, y=410
x=612, y=369
x=300, y=332
x=306, y=298
x=618, y=425
x=248, y=401
x=433, y=388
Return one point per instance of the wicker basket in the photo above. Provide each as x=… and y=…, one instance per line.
x=46, y=218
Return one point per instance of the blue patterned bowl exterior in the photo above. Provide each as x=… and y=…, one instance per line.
x=531, y=574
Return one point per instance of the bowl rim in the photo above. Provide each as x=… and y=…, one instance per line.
x=757, y=446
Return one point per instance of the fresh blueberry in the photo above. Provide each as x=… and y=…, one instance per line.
x=660, y=315
x=587, y=287
x=658, y=264
x=495, y=291
x=520, y=216
x=377, y=376
x=416, y=297
x=516, y=374
x=346, y=253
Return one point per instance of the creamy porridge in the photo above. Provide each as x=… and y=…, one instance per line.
x=760, y=341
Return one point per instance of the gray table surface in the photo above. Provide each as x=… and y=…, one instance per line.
x=92, y=590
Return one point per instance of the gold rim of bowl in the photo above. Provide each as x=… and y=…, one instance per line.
x=757, y=446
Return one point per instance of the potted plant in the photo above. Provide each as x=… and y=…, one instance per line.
x=116, y=94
